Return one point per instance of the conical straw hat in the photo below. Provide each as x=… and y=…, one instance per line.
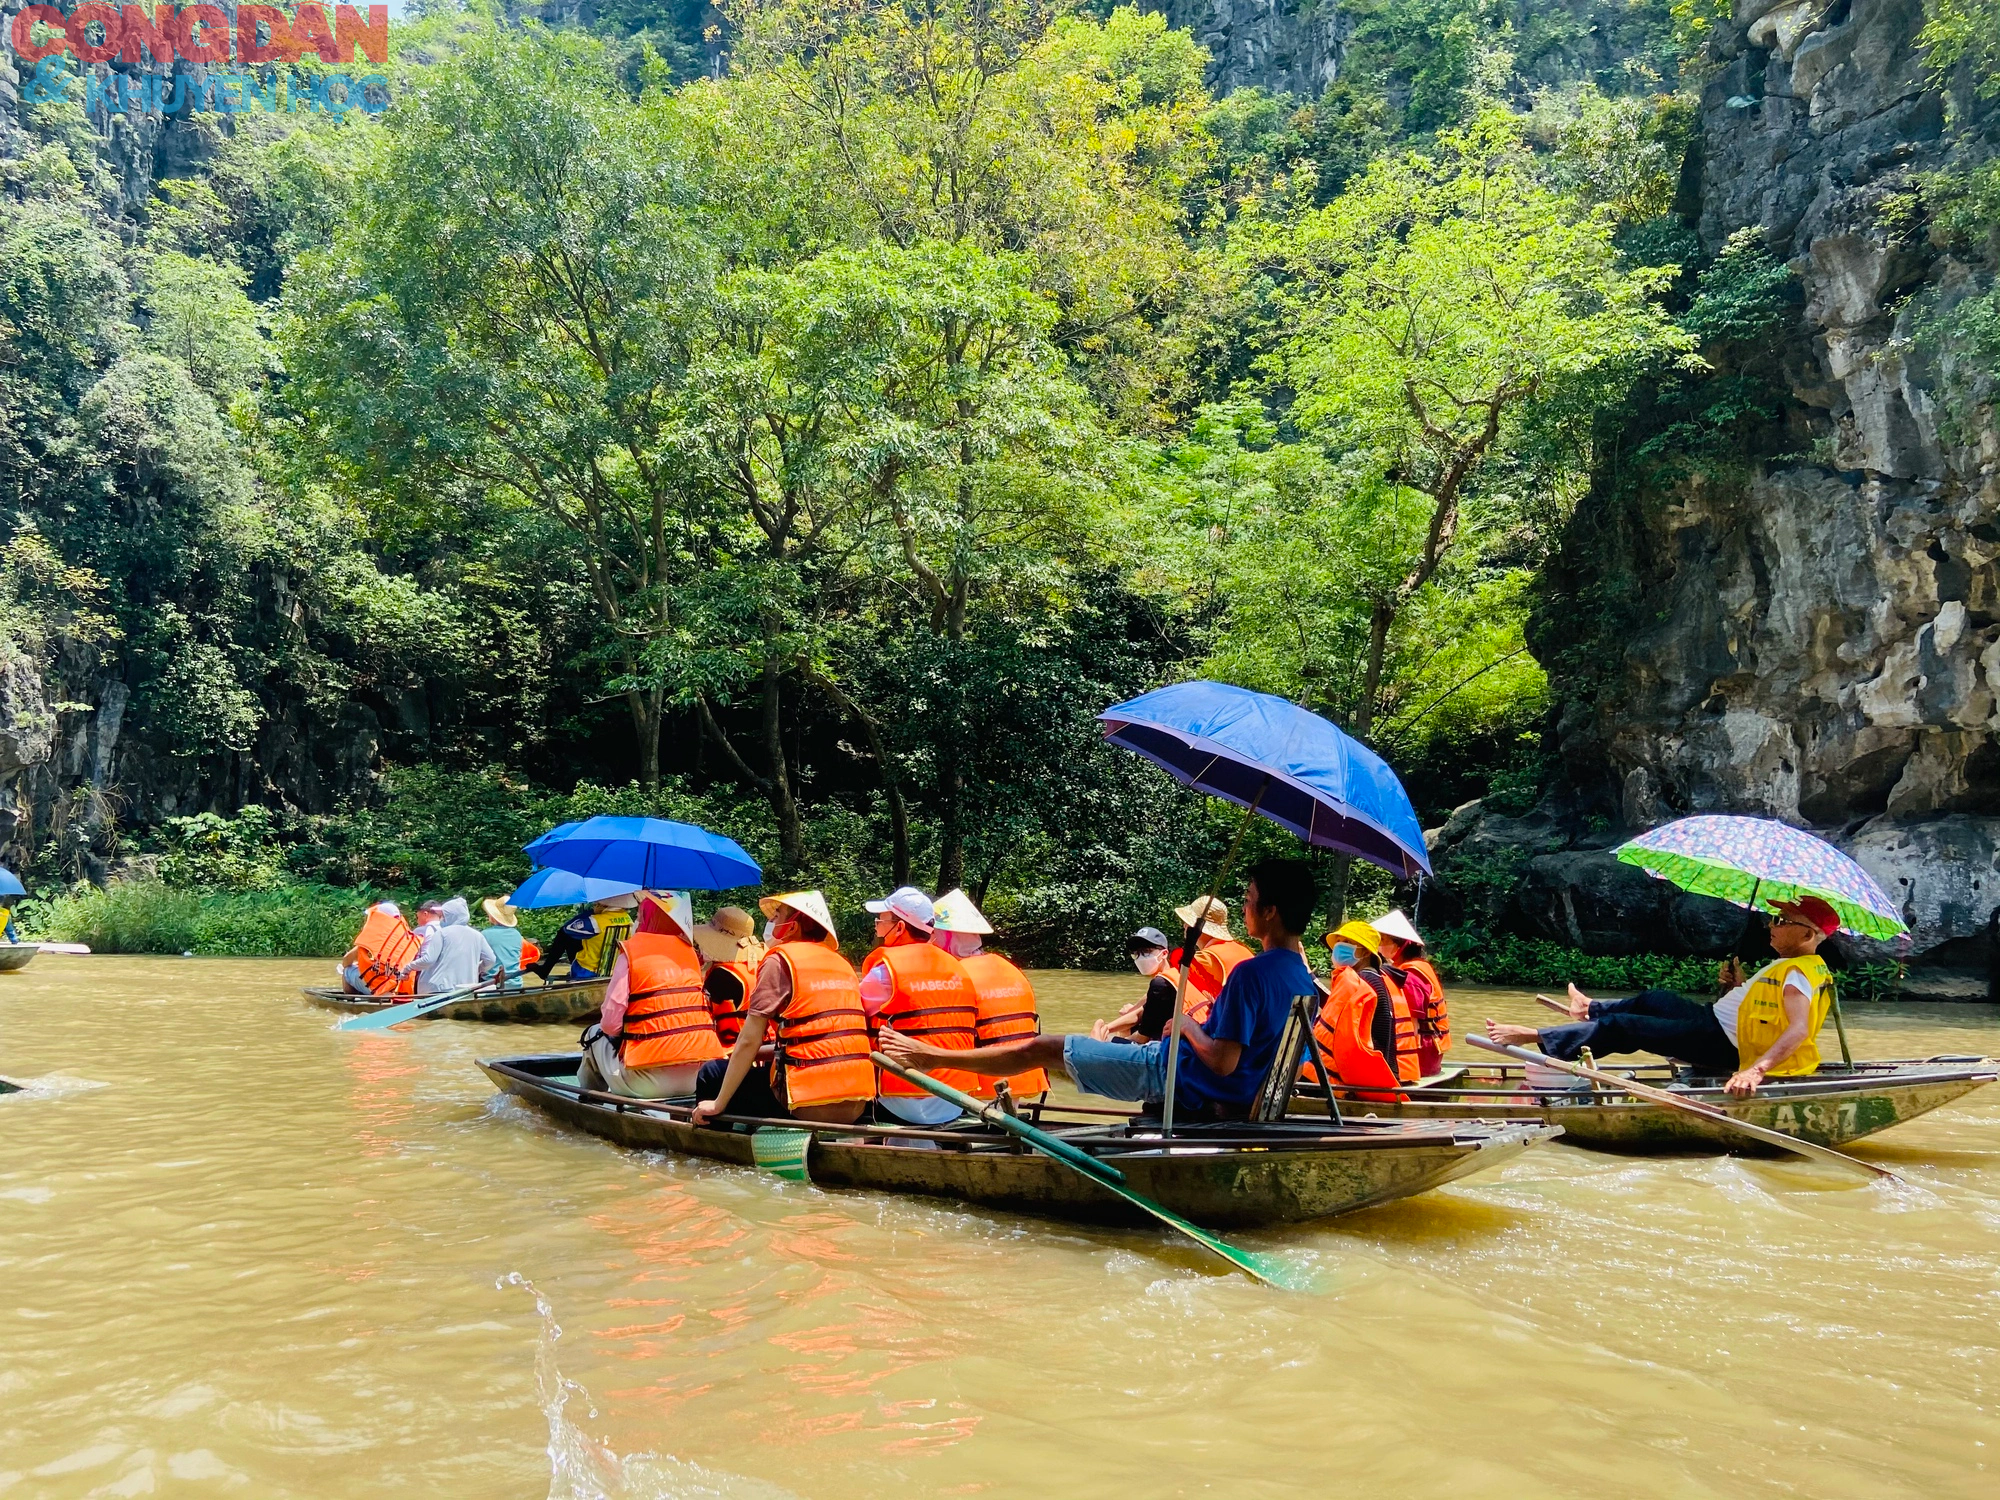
x=806, y=903
x=954, y=912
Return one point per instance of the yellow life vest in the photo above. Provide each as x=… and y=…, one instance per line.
x=597, y=951
x=1761, y=1020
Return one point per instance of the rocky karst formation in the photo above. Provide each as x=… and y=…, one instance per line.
x=1281, y=46
x=1818, y=637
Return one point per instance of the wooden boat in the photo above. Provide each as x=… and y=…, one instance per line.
x=1222, y=1175
x=1836, y=1105
x=17, y=956
x=560, y=1000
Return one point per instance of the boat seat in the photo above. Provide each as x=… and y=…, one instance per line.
x=1274, y=1096
x=1441, y=1077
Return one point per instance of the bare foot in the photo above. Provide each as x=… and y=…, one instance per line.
x=1511, y=1035
x=1579, y=1004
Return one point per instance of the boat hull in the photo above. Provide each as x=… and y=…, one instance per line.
x=1831, y=1108
x=17, y=956
x=559, y=1002
x=1291, y=1174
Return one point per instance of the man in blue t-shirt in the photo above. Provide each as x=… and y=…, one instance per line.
x=1223, y=1064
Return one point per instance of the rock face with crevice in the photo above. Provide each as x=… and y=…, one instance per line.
x=1280, y=46
x=1821, y=641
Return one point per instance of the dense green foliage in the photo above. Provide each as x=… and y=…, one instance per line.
x=812, y=445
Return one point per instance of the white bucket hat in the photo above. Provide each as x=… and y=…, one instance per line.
x=1395, y=925
x=909, y=903
x=954, y=912
x=805, y=903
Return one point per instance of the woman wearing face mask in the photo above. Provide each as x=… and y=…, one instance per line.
x=1146, y=1020
x=1365, y=1031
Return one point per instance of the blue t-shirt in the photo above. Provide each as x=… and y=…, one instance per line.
x=1253, y=1005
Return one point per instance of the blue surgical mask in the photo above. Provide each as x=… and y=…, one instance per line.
x=1344, y=954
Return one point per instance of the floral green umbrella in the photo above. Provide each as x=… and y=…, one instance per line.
x=1763, y=863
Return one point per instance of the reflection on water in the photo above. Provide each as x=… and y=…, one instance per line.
x=241, y=1251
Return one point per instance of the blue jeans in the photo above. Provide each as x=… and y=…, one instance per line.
x=1116, y=1070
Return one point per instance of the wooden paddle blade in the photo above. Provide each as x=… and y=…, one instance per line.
x=782, y=1153
x=395, y=1015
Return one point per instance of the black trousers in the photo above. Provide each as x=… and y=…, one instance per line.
x=1664, y=1022
x=754, y=1095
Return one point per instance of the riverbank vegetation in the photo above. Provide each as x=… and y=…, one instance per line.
x=809, y=442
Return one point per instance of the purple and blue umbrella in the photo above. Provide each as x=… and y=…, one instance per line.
x=1294, y=767
x=1764, y=863
x=650, y=854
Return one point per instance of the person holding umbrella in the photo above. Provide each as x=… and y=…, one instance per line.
x=1764, y=1027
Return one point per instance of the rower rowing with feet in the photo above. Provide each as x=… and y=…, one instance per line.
x=1223, y=1062
x=1764, y=1027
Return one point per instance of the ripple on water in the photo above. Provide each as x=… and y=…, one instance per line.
x=247, y=1252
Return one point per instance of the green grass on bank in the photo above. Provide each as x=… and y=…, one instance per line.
x=148, y=916
x=288, y=921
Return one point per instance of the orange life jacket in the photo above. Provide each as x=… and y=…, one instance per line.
x=1007, y=1013
x=1432, y=1017
x=823, y=1043
x=386, y=943
x=1214, y=958
x=666, y=1015
x=934, y=1002
x=729, y=1012
x=1366, y=1034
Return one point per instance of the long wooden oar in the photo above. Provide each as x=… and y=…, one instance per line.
x=395, y=1015
x=1265, y=1268
x=1688, y=1106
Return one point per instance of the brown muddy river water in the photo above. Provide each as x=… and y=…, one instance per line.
x=244, y=1254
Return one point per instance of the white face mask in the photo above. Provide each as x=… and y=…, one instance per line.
x=1150, y=961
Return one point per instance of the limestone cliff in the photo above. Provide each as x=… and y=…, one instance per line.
x=1281, y=46
x=1813, y=635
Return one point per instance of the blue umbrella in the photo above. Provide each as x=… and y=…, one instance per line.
x=1297, y=769
x=10, y=883
x=649, y=853
x=561, y=888
x=554, y=836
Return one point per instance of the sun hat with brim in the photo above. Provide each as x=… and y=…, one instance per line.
x=1394, y=924
x=499, y=912
x=729, y=936
x=1358, y=933
x=1147, y=937
x=908, y=903
x=806, y=903
x=954, y=912
x=1217, y=923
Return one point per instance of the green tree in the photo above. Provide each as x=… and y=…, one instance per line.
x=1438, y=300
x=507, y=313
